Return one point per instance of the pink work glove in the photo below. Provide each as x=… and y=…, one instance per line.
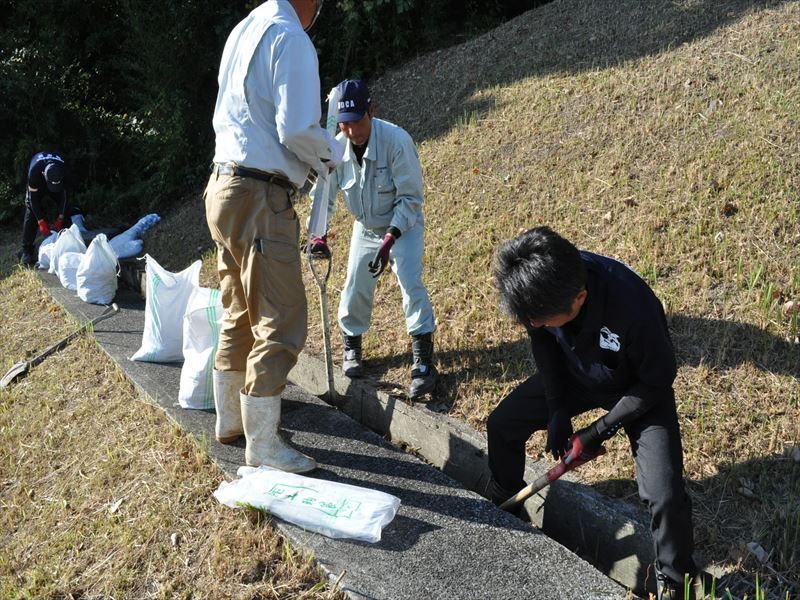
x=378, y=264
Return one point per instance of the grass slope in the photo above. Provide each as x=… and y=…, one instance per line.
x=102, y=496
x=665, y=134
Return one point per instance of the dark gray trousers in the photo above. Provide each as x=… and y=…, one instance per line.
x=655, y=441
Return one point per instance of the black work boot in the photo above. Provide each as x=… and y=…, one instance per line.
x=423, y=373
x=27, y=258
x=698, y=587
x=497, y=494
x=351, y=362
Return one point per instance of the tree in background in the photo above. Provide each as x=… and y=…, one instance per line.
x=125, y=90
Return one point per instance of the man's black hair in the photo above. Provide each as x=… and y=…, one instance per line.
x=538, y=274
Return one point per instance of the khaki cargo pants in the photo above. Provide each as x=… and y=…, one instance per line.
x=256, y=231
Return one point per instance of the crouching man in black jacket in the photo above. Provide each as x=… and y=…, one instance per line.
x=600, y=340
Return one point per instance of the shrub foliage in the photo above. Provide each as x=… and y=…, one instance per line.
x=125, y=90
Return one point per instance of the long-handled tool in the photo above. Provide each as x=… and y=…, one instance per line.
x=569, y=463
x=21, y=368
x=318, y=226
x=322, y=284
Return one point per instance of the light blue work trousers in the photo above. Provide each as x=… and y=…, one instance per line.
x=355, y=306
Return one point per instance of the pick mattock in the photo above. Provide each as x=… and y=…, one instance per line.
x=569, y=463
x=21, y=368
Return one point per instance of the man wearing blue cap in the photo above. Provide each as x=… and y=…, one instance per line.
x=381, y=180
x=46, y=173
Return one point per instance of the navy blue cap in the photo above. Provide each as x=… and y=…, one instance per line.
x=54, y=177
x=354, y=100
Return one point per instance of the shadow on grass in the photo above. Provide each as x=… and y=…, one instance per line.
x=727, y=519
x=718, y=344
x=567, y=37
x=728, y=344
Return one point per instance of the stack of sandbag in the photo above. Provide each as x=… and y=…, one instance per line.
x=167, y=298
x=96, y=277
x=182, y=322
x=46, y=250
x=201, y=325
x=68, y=264
x=69, y=240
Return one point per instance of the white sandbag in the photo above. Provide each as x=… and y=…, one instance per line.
x=69, y=240
x=167, y=296
x=201, y=325
x=68, y=264
x=97, y=274
x=337, y=510
x=46, y=250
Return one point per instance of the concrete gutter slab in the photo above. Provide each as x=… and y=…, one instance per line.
x=445, y=542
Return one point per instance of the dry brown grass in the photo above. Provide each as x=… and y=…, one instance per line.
x=666, y=134
x=102, y=496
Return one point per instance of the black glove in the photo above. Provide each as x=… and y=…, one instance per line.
x=587, y=441
x=559, y=430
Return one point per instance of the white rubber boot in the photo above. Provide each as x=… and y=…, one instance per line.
x=261, y=417
x=227, y=387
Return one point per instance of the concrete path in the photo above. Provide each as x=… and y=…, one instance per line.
x=445, y=542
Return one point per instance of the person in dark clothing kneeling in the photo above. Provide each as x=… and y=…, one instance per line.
x=45, y=177
x=600, y=340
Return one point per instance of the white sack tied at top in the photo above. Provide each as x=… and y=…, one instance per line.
x=69, y=240
x=167, y=297
x=97, y=273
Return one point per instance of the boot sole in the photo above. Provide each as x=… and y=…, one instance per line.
x=294, y=472
x=229, y=439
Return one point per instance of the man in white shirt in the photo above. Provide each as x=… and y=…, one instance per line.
x=268, y=138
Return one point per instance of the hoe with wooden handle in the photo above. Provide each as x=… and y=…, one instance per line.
x=21, y=368
x=570, y=462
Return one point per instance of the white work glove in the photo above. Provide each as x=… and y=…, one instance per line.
x=337, y=153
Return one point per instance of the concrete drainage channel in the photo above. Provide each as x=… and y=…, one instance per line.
x=446, y=541
x=610, y=534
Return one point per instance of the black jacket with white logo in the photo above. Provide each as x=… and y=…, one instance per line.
x=618, y=348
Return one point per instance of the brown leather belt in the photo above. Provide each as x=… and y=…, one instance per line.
x=237, y=171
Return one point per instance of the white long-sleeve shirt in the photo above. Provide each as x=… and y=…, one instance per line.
x=268, y=111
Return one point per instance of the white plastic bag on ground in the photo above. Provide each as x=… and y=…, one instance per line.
x=167, y=297
x=201, y=325
x=69, y=240
x=46, y=250
x=337, y=510
x=127, y=243
x=97, y=273
x=68, y=264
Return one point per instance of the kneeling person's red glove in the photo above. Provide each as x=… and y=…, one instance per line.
x=59, y=224
x=44, y=228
